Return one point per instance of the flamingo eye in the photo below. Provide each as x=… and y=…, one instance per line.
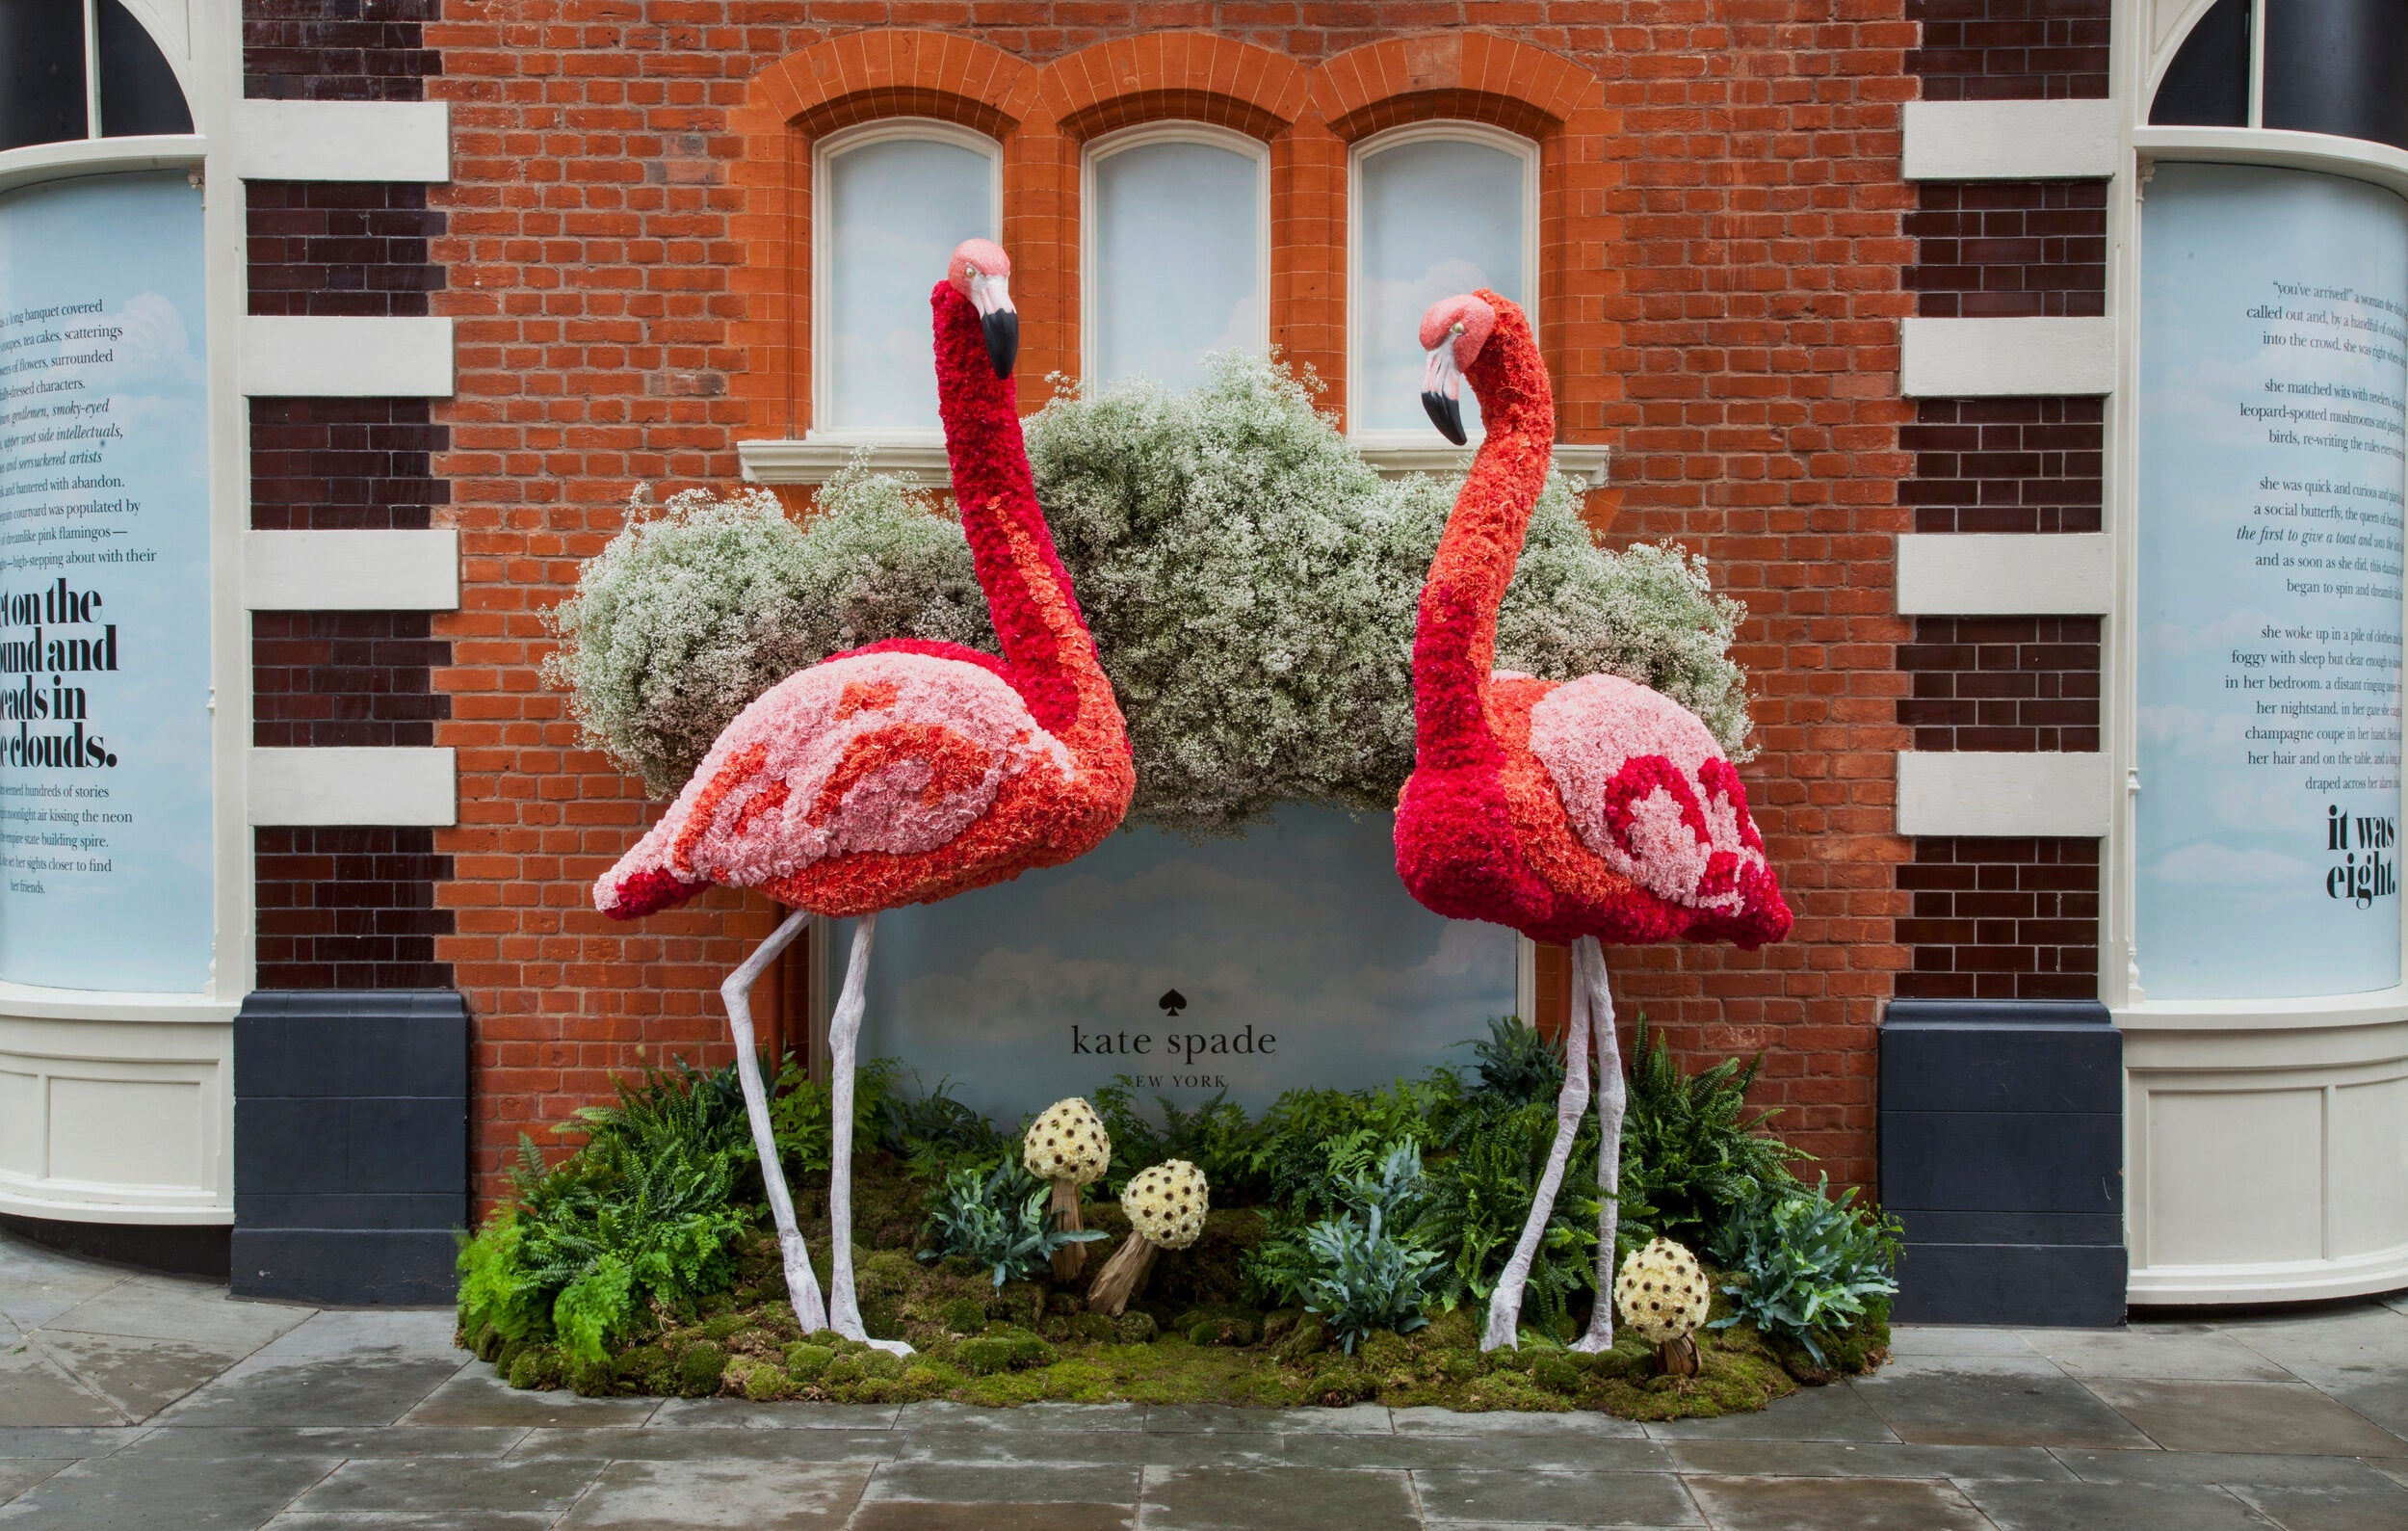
x=1457, y=330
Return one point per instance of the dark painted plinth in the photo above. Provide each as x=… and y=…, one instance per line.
x=2003, y=1155
x=179, y=1251
x=351, y=1145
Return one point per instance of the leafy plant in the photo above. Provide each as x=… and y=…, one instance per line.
x=1517, y=1062
x=1363, y=1277
x=1481, y=1194
x=1313, y=1139
x=1804, y=1264
x=998, y=1220
x=702, y=1109
x=803, y=1113
x=596, y=1239
x=939, y=1134
x=1217, y=1137
x=1689, y=1149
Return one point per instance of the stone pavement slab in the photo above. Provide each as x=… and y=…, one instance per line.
x=1838, y=1413
x=36, y=1391
x=2206, y=1469
x=2329, y=1509
x=1015, y=1483
x=1277, y=1499
x=1792, y=1459
x=1556, y=1497
x=743, y=1495
x=161, y=1493
x=1836, y=1504
x=639, y=1444
x=135, y=1375
x=477, y=1397
x=422, y=1485
x=1991, y=1401
x=2166, y=1352
x=2112, y=1507
x=1538, y=1452
x=2262, y=1417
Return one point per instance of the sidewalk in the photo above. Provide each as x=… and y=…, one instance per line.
x=142, y=1402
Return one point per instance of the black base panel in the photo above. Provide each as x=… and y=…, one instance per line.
x=178, y=1251
x=347, y=1267
x=2039, y=1285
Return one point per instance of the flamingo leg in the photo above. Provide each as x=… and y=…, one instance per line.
x=1587, y=953
x=844, y=1033
x=1505, y=1305
x=802, y=1287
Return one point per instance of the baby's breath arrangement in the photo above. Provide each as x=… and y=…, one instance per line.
x=1250, y=581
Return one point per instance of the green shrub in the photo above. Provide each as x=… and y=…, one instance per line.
x=1250, y=581
x=998, y=1220
x=1365, y=1278
x=939, y=1134
x=1517, y=1063
x=1689, y=1149
x=1803, y=1264
x=1216, y=1137
x=803, y=1113
x=1481, y=1194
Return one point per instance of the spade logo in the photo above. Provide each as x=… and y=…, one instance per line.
x=1172, y=1002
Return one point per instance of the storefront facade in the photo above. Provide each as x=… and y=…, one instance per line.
x=1928, y=324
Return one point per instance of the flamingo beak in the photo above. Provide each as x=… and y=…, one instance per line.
x=1442, y=392
x=992, y=297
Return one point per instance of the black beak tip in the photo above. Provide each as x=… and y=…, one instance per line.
x=1003, y=340
x=1447, y=414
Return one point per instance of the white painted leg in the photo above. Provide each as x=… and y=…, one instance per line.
x=1610, y=1107
x=1505, y=1305
x=844, y=1033
x=802, y=1287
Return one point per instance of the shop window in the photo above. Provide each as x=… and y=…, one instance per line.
x=894, y=201
x=1439, y=208
x=2324, y=66
x=49, y=95
x=1178, y=246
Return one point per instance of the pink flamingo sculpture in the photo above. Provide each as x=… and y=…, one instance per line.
x=905, y=772
x=1580, y=811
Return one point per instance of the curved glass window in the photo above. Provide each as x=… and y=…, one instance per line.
x=1178, y=255
x=2327, y=67
x=1434, y=216
x=49, y=96
x=892, y=209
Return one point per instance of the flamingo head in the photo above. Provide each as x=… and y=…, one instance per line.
x=981, y=272
x=1453, y=332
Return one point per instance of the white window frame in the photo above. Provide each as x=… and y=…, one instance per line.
x=915, y=447
x=1180, y=131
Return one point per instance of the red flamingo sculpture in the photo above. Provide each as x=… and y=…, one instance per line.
x=1580, y=811
x=905, y=772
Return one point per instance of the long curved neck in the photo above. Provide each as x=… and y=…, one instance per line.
x=1455, y=646
x=1045, y=640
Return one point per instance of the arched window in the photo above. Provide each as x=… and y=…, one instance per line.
x=894, y=199
x=1178, y=251
x=1439, y=208
x=49, y=92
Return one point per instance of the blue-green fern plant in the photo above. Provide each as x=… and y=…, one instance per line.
x=1364, y=1276
x=998, y=1220
x=1804, y=1264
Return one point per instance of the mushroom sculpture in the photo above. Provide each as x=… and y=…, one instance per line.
x=1165, y=1207
x=1580, y=811
x=1663, y=1295
x=1067, y=1145
x=905, y=772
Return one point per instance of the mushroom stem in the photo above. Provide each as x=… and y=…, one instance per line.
x=1121, y=1276
x=1677, y=1356
x=1071, y=1259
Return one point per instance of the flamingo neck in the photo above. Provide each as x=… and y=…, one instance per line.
x=1454, y=645
x=1047, y=650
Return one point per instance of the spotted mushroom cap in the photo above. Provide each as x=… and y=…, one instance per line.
x=1067, y=1141
x=1166, y=1203
x=1661, y=1292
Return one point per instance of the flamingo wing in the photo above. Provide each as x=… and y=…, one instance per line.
x=890, y=753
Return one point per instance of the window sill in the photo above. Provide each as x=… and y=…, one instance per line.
x=821, y=455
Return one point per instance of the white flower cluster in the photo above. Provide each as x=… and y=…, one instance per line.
x=1661, y=1292
x=1166, y=1203
x=1251, y=583
x=1067, y=1141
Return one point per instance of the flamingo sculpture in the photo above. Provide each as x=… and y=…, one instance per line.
x=907, y=771
x=1580, y=811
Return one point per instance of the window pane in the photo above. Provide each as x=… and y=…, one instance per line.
x=2208, y=83
x=137, y=91
x=1178, y=260
x=895, y=211
x=1438, y=217
x=2333, y=66
x=41, y=71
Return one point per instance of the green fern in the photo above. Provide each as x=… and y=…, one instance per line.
x=1689, y=1149
x=1518, y=1062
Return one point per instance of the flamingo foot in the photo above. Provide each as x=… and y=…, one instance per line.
x=1505, y=1305
x=844, y=1034
x=802, y=1287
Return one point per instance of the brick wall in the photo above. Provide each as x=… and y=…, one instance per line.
x=2018, y=683
x=2001, y=920
x=330, y=464
x=338, y=50
x=2006, y=464
x=2010, y=50
x=345, y=678
x=1727, y=319
x=1988, y=249
x=340, y=248
x=350, y=909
